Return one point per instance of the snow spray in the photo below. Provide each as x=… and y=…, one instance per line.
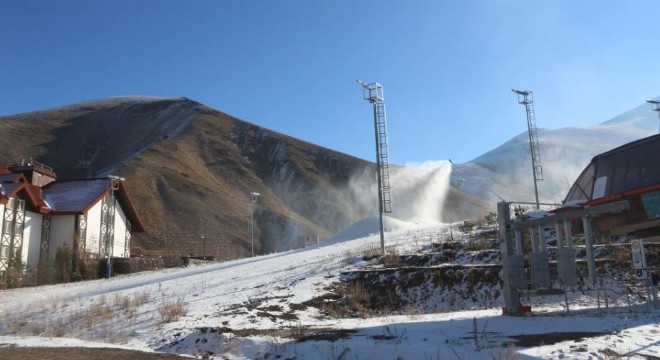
x=418, y=191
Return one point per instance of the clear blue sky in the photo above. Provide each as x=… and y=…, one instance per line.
x=447, y=66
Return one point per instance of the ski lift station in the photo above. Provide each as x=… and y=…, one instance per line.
x=617, y=195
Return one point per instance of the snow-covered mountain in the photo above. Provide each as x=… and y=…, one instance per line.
x=176, y=154
x=507, y=170
x=190, y=168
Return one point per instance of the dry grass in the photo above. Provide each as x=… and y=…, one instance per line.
x=12, y=325
x=298, y=331
x=99, y=311
x=371, y=252
x=348, y=256
x=413, y=309
x=172, y=310
x=141, y=298
x=359, y=293
x=122, y=301
x=56, y=328
x=359, y=297
x=391, y=258
x=36, y=328
x=477, y=244
x=58, y=318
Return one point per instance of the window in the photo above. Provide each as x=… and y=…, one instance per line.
x=581, y=190
x=599, y=187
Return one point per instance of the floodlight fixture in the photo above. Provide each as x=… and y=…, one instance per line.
x=373, y=92
x=656, y=107
x=114, y=181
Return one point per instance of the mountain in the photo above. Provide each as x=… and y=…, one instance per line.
x=506, y=172
x=190, y=170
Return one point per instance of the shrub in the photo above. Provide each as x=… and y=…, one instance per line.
x=62, y=263
x=13, y=276
x=467, y=226
x=491, y=218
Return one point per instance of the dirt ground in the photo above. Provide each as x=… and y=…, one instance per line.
x=39, y=353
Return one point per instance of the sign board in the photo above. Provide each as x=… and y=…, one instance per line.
x=638, y=258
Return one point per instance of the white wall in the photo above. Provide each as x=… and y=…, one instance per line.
x=93, y=236
x=120, y=232
x=2, y=214
x=61, y=232
x=31, y=239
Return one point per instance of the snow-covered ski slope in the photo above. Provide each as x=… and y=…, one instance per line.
x=254, y=309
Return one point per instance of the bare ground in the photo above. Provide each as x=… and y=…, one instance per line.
x=76, y=353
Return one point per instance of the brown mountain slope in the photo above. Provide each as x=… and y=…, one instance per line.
x=190, y=169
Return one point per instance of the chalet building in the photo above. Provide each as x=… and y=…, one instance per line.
x=94, y=218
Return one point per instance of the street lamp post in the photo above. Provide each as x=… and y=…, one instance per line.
x=203, y=246
x=253, y=200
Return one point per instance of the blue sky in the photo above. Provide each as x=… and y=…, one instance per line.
x=447, y=67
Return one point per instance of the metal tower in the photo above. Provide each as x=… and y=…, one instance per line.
x=656, y=106
x=526, y=98
x=373, y=93
x=251, y=204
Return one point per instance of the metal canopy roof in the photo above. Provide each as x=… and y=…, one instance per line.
x=629, y=167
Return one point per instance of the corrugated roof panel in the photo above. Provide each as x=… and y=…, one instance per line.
x=74, y=196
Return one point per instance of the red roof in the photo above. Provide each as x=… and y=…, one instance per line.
x=32, y=192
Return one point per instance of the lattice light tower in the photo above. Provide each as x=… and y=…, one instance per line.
x=251, y=204
x=108, y=205
x=526, y=98
x=656, y=107
x=373, y=93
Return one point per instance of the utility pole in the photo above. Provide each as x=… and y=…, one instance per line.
x=525, y=97
x=373, y=93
